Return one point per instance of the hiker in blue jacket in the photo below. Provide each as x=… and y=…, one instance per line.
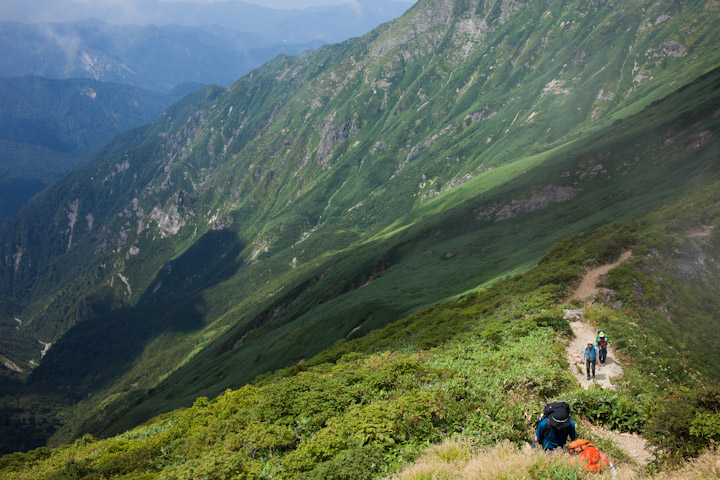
x=590, y=357
x=553, y=430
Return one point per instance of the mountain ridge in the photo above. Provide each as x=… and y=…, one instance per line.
x=355, y=184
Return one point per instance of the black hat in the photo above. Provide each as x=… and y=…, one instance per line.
x=559, y=418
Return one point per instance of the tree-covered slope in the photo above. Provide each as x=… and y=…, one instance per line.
x=326, y=195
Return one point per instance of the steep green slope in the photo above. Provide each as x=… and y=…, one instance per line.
x=449, y=252
x=477, y=369
x=326, y=195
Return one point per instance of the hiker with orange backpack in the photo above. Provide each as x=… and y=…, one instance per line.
x=589, y=457
x=602, y=341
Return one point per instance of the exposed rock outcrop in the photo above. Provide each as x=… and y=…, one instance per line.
x=540, y=199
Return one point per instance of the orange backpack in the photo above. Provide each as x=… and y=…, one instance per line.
x=589, y=457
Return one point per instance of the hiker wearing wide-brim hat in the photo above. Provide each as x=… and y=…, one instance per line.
x=555, y=428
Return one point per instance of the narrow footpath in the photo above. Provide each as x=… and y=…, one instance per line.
x=585, y=333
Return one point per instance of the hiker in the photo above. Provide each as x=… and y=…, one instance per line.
x=588, y=456
x=555, y=426
x=602, y=341
x=590, y=357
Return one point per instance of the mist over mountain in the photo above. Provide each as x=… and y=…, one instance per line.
x=308, y=24
x=325, y=196
x=157, y=58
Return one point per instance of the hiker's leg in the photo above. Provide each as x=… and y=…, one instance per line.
x=593, y=368
x=587, y=368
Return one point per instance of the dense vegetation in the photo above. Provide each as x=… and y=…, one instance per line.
x=326, y=196
x=477, y=369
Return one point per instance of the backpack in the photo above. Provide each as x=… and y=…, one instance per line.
x=589, y=456
x=603, y=342
x=549, y=409
x=590, y=352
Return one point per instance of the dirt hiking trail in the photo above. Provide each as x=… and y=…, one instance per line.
x=585, y=333
x=632, y=443
x=588, y=287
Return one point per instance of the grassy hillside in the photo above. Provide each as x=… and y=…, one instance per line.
x=477, y=369
x=328, y=195
x=428, y=259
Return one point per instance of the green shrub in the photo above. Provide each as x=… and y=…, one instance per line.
x=614, y=410
x=685, y=423
x=359, y=463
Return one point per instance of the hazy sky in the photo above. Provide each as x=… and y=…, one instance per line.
x=132, y=11
x=267, y=3
x=291, y=3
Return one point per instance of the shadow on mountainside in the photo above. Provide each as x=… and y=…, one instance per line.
x=106, y=344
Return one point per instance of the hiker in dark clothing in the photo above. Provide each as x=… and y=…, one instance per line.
x=602, y=341
x=590, y=358
x=554, y=430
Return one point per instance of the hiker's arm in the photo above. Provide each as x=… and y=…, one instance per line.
x=539, y=433
x=573, y=434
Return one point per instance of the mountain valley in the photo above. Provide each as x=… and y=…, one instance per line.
x=48, y=127
x=432, y=190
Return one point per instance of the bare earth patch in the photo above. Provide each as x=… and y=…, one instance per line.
x=588, y=286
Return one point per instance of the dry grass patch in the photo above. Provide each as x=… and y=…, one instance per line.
x=453, y=460
x=705, y=467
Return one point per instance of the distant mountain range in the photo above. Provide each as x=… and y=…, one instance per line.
x=41, y=139
x=159, y=45
x=330, y=23
x=150, y=57
x=48, y=127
